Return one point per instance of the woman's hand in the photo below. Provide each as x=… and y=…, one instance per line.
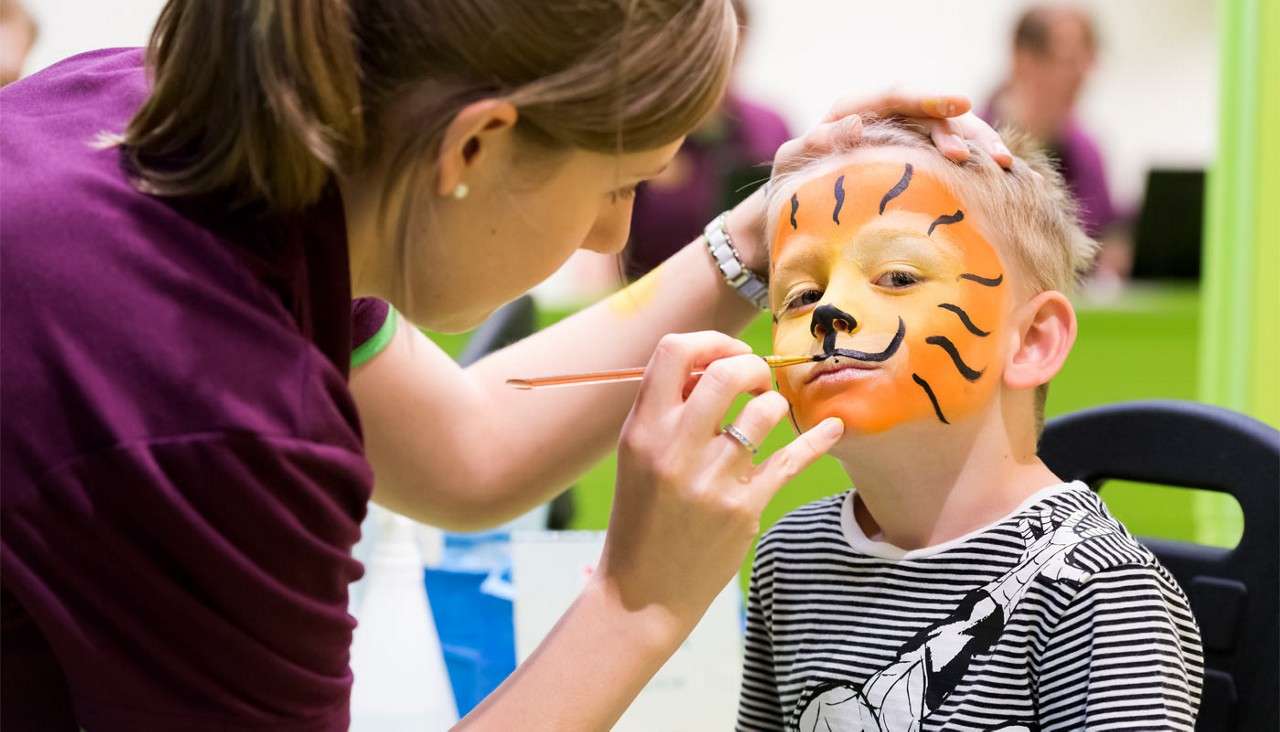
x=947, y=117
x=689, y=498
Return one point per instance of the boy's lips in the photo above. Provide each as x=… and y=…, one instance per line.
x=830, y=368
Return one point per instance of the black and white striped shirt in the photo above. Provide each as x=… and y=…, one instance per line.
x=1052, y=618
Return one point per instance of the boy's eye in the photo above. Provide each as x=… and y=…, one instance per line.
x=801, y=299
x=897, y=279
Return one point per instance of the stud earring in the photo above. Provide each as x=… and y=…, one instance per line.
x=461, y=191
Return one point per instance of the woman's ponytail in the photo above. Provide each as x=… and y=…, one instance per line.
x=258, y=100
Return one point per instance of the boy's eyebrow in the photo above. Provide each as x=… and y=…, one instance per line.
x=878, y=238
x=799, y=254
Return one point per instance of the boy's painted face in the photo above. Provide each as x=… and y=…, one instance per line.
x=879, y=271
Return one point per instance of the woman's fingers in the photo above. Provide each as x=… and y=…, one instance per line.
x=820, y=140
x=949, y=118
x=899, y=103
x=832, y=135
x=946, y=137
x=756, y=421
x=676, y=355
x=973, y=128
x=787, y=463
x=722, y=382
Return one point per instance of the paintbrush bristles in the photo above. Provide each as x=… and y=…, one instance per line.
x=624, y=375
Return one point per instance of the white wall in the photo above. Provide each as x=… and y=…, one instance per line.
x=1152, y=101
x=68, y=27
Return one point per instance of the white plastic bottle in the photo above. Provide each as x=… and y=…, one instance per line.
x=400, y=678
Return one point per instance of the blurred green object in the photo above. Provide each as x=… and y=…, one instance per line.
x=1141, y=345
x=1241, y=345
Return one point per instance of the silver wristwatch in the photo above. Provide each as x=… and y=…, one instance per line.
x=749, y=285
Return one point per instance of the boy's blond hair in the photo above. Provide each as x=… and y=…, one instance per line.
x=1027, y=211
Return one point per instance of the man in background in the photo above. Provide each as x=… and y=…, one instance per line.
x=1054, y=51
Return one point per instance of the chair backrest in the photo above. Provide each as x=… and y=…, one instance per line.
x=1233, y=592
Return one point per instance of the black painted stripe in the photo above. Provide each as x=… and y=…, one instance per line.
x=897, y=189
x=928, y=391
x=964, y=318
x=945, y=344
x=795, y=206
x=835, y=215
x=988, y=281
x=954, y=218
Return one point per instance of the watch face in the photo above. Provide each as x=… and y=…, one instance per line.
x=879, y=270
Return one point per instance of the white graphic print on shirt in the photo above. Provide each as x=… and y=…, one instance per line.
x=1030, y=648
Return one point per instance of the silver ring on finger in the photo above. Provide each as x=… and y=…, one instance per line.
x=741, y=439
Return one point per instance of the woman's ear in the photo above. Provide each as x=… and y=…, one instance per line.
x=1046, y=328
x=468, y=138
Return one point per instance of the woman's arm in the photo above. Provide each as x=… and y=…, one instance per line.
x=460, y=449
x=686, y=507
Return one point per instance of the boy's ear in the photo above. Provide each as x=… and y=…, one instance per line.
x=1046, y=330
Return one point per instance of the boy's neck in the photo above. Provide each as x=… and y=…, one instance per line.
x=915, y=490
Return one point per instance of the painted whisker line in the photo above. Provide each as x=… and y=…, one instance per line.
x=964, y=318
x=945, y=344
x=898, y=188
x=884, y=355
x=795, y=206
x=928, y=391
x=835, y=215
x=944, y=219
x=987, y=281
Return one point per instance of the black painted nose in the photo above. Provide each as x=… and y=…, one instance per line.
x=831, y=319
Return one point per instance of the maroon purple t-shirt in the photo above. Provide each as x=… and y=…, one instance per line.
x=183, y=472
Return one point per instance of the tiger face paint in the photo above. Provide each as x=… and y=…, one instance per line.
x=879, y=271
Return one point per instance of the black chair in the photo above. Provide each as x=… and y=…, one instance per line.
x=508, y=324
x=1233, y=592
x=505, y=326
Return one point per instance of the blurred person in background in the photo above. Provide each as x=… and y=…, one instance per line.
x=17, y=36
x=1055, y=48
x=720, y=164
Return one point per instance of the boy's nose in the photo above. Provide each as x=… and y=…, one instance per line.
x=829, y=319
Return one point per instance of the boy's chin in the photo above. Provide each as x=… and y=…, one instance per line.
x=861, y=429
x=861, y=422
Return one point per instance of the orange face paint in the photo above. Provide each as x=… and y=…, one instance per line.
x=879, y=266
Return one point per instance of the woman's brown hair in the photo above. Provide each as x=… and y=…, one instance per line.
x=267, y=100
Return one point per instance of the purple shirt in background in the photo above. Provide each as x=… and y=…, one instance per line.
x=1080, y=160
x=183, y=472
x=718, y=168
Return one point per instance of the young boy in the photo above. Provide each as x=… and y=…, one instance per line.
x=961, y=585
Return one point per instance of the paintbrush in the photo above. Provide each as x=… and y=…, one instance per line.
x=635, y=374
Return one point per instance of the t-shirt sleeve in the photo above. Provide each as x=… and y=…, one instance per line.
x=759, y=707
x=1124, y=655
x=373, y=323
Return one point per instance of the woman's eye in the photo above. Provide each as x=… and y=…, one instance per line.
x=623, y=194
x=897, y=279
x=808, y=297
